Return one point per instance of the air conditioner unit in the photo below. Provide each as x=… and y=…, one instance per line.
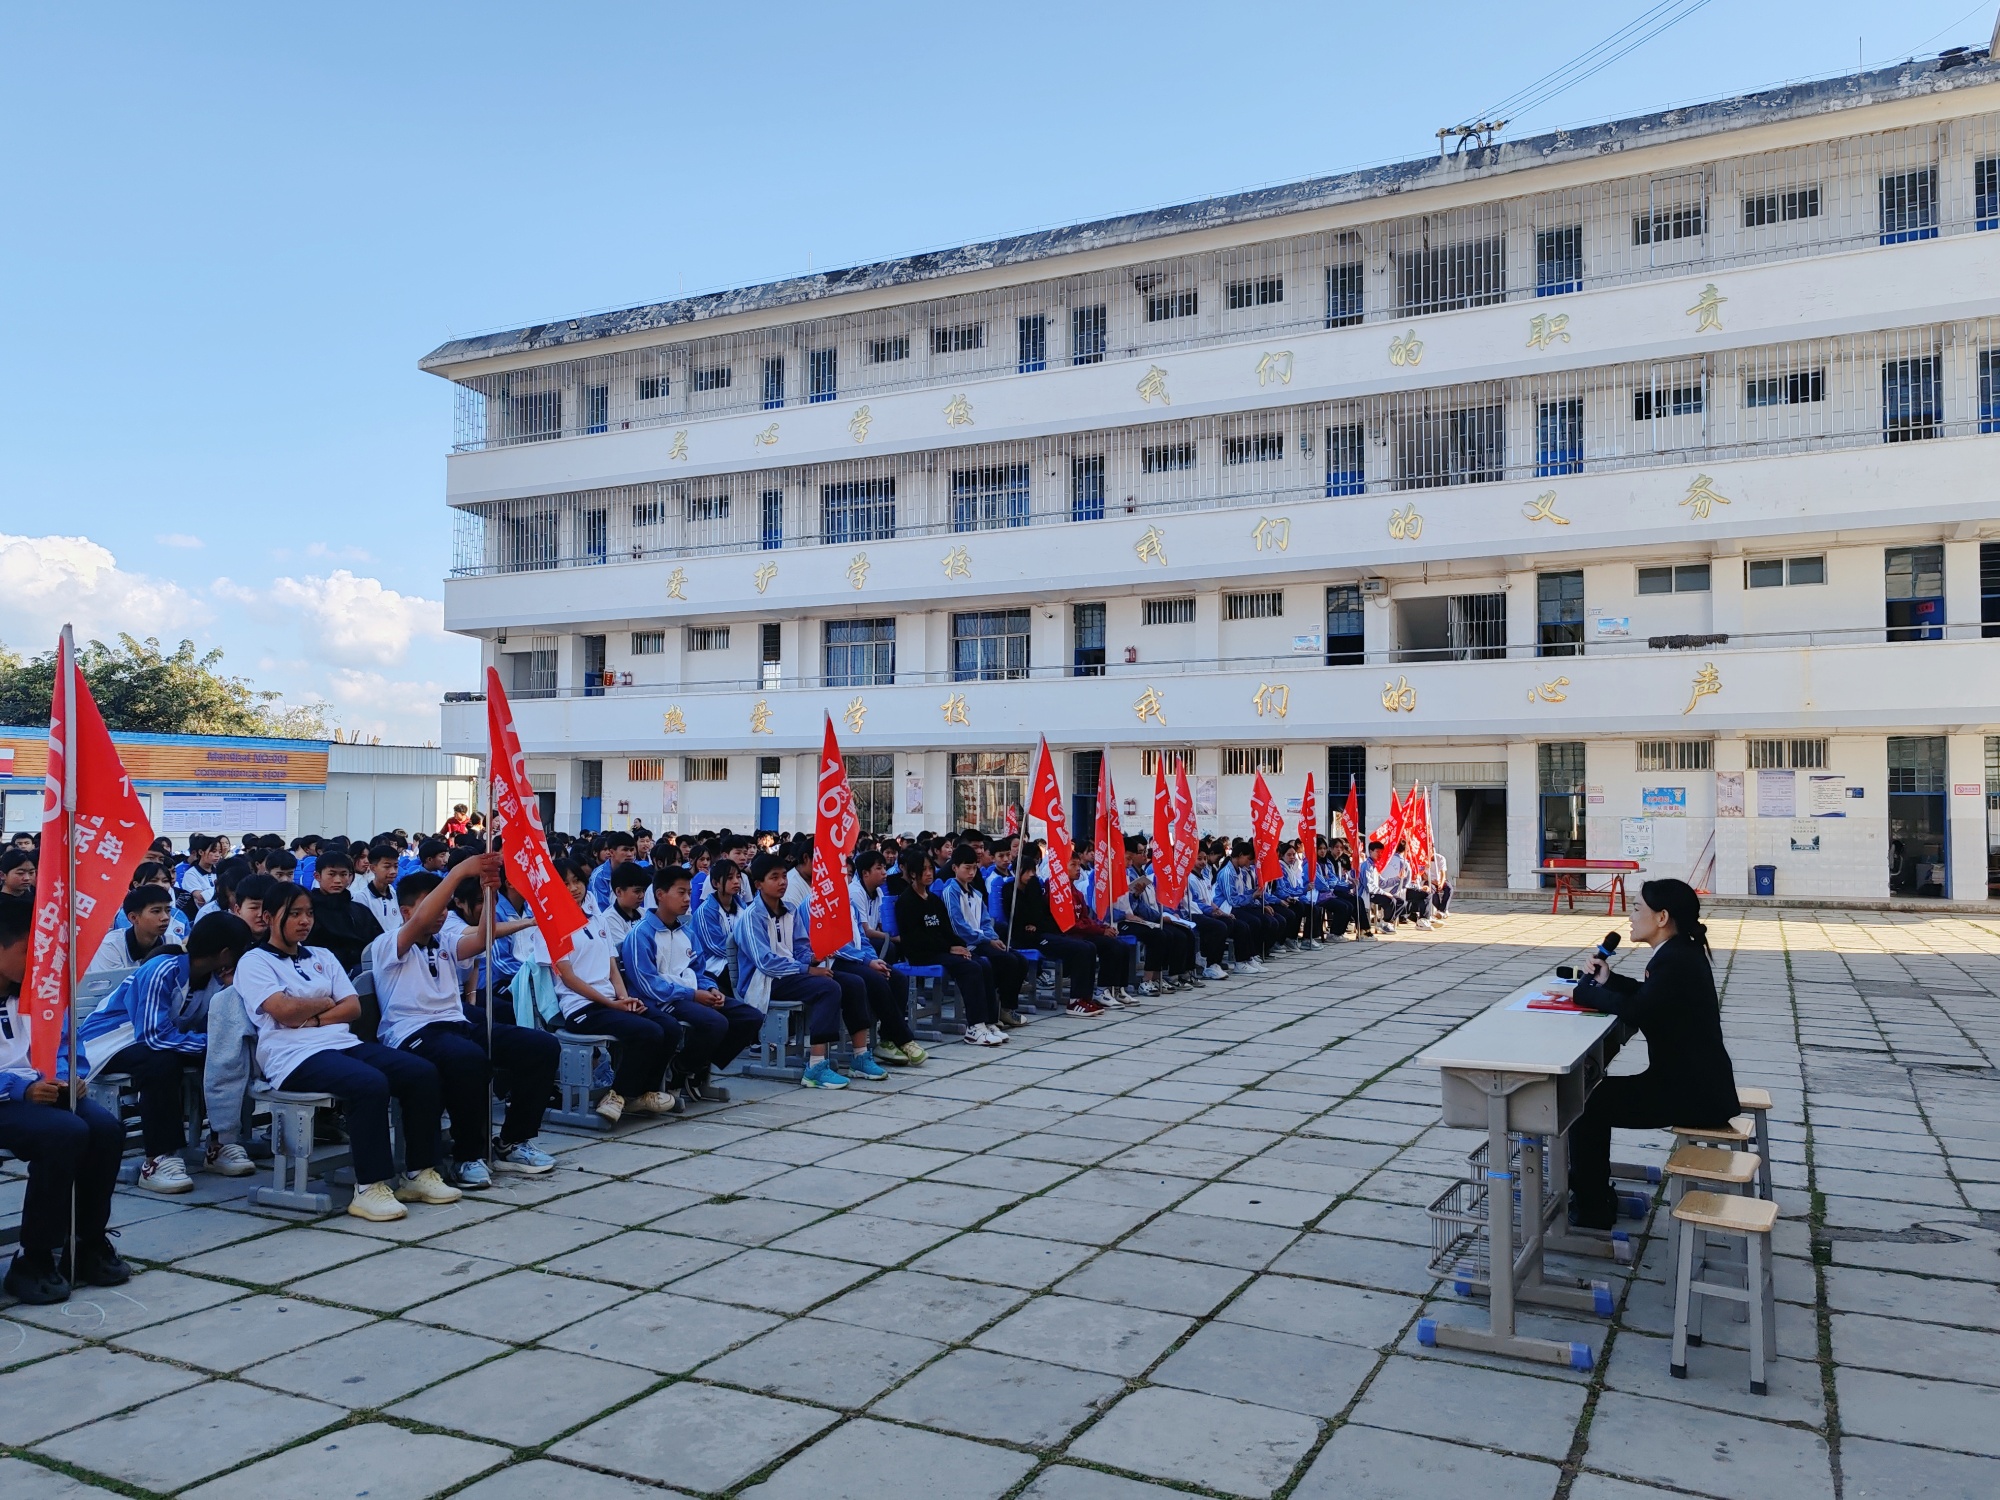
x=1373, y=586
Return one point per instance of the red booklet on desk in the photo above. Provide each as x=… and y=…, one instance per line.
x=1561, y=1002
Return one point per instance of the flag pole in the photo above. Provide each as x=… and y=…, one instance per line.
x=492, y=894
x=1021, y=839
x=67, y=691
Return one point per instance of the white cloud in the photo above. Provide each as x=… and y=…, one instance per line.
x=343, y=620
x=47, y=581
x=180, y=539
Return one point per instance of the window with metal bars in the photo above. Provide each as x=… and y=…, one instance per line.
x=1165, y=458
x=1347, y=765
x=771, y=520
x=704, y=768
x=1673, y=401
x=1087, y=640
x=1177, y=760
x=1559, y=767
x=1989, y=589
x=1796, y=389
x=1343, y=294
x=597, y=408
x=1248, y=760
x=1913, y=590
x=537, y=417
x=711, y=380
x=1254, y=448
x=989, y=645
x=861, y=510
x=1986, y=193
x=650, y=768
x=1266, y=604
x=859, y=653
x=1559, y=438
x=1089, y=335
x=888, y=351
x=1163, y=307
x=1559, y=261
x=1680, y=223
x=1559, y=614
x=532, y=542
x=1166, y=611
x=871, y=780
x=652, y=388
x=1449, y=277
x=770, y=652
x=823, y=375
x=960, y=338
x=1086, y=769
x=1033, y=340
x=989, y=498
x=649, y=643
x=774, y=383
x=649, y=513
x=1345, y=464
x=1917, y=764
x=1260, y=292
x=1676, y=755
x=1344, y=625
x=1086, y=487
x=707, y=638
x=1909, y=206
x=1912, y=398
x=1463, y=446
x=1760, y=209
x=1989, y=390
x=1786, y=755
x=699, y=508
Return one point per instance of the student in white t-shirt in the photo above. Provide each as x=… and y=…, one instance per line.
x=198, y=879
x=301, y=1003
x=590, y=988
x=420, y=968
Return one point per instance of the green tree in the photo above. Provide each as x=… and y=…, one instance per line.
x=141, y=687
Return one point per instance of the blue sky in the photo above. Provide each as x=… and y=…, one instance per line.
x=232, y=230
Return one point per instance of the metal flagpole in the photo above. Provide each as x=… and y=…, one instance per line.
x=491, y=894
x=66, y=692
x=1021, y=838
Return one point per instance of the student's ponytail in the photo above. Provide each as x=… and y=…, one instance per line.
x=1676, y=899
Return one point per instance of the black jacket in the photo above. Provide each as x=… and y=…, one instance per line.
x=1027, y=907
x=343, y=926
x=1677, y=1011
x=923, y=927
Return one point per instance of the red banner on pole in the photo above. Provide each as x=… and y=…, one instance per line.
x=1163, y=838
x=1350, y=822
x=1045, y=802
x=88, y=809
x=1391, y=827
x=1267, y=831
x=517, y=828
x=1110, y=882
x=1309, y=832
x=836, y=830
x=1187, y=836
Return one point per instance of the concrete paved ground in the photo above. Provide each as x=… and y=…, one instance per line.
x=1179, y=1250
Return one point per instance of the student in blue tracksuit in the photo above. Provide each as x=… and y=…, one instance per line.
x=888, y=994
x=1236, y=888
x=138, y=1031
x=660, y=962
x=774, y=962
x=965, y=899
x=619, y=848
x=713, y=922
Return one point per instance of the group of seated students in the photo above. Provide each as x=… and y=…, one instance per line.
x=239, y=966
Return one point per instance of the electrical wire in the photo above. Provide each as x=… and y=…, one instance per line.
x=1643, y=28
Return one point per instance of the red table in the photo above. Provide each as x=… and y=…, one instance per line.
x=1571, y=875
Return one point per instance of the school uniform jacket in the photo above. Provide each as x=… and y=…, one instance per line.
x=1676, y=1009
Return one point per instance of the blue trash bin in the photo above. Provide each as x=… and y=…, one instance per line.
x=1766, y=878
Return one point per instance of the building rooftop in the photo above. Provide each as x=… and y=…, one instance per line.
x=1949, y=71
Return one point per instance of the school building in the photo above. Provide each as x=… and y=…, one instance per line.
x=236, y=784
x=1631, y=485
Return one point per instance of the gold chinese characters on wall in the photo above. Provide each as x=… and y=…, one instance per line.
x=1399, y=697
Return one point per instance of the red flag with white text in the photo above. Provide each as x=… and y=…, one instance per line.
x=1109, y=883
x=1391, y=828
x=1309, y=832
x=1267, y=831
x=517, y=828
x=1045, y=802
x=1187, y=837
x=88, y=805
x=1350, y=822
x=836, y=830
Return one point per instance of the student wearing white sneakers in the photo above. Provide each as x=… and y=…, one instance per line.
x=418, y=980
x=590, y=988
x=301, y=1002
x=925, y=932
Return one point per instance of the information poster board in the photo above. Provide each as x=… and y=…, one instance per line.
x=222, y=812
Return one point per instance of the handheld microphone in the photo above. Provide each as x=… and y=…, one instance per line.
x=1608, y=947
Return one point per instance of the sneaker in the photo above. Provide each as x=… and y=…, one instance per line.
x=994, y=1036
x=97, y=1265
x=165, y=1174
x=376, y=1202
x=891, y=1053
x=1084, y=1008
x=1012, y=1020
x=658, y=1102
x=1313, y=945
x=611, y=1108
x=474, y=1176
x=34, y=1280
x=703, y=1091
x=523, y=1158
x=916, y=1055
x=975, y=1036
x=1423, y=924
x=1254, y=965
x=228, y=1161
x=1101, y=998
x=822, y=1074
x=1215, y=971
x=863, y=1065
x=426, y=1187
x=1147, y=988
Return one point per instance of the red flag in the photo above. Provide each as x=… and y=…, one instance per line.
x=1045, y=802
x=1267, y=831
x=1391, y=827
x=836, y=830
x=1013, y=819
x=1187, y=837
x=1309, y=832
x=517, y=828
x=1110, y=882
x=1163, y=832
x=88, y=805
x=1350, y=822
x=1416, y=826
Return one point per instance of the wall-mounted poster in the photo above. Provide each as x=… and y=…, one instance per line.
x=1729, y=794
x=1664, y=801
x=1777, y=794
x=1805, y=836
x=1635, y=837
x=913, y=794
x=1204, y=796
x=1827, y=796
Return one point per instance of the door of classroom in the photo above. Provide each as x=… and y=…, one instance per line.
x=770, y=779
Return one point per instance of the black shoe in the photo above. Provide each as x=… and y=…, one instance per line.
x=35, y=1280
x=99, y=1265
x=701, y=1091
x=1594, y=1211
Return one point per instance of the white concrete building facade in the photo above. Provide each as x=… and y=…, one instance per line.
x=1637, y=487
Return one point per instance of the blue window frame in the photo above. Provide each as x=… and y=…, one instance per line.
x=860, y=653
x=989, y=498
x=1989, y=390
x=1089, y=335
x=1087, y=630
x=989, y=645
x=1086, y=488
x=1909, y=206
x=1986, y=193
x=823, y=369
x=774, y=383
x=1343, y=295
x=1912, y=399
x=597, y=408
x=1559, y=438
x=1559, y=261
x=1344, y=474
x=1033, y=335
x=771, y=531
x=860, y=510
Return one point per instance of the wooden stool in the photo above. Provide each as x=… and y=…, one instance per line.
x=1701, y=1216
x=1689, y=1165
x=1756, y=1103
